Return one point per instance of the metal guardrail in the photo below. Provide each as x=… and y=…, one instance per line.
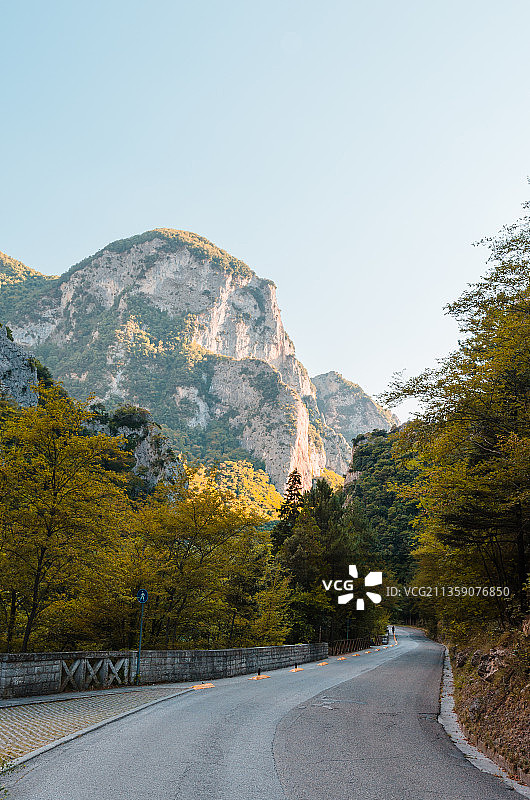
x=341, y=646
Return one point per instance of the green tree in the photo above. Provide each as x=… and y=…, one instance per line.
x=329, y=533
x=201, y=544
x=252, y=485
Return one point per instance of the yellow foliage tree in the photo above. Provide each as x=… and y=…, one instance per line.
x=251, y=485
x=204, y=552
x=61, y=506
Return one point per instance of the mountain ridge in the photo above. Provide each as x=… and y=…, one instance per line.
x=347, y=408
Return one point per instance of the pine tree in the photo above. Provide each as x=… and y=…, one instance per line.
x=289, y=509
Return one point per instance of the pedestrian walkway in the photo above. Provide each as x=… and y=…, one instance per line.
x=31, y=723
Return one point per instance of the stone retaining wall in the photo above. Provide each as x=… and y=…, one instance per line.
x=26, y=674
x=511, y=769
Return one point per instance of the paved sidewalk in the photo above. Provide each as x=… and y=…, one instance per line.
x=30, y=723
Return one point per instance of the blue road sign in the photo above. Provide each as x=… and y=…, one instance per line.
x=141, y=596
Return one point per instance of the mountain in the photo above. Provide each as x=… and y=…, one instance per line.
x=169, y=321
x=346, y=408
x=13, y=272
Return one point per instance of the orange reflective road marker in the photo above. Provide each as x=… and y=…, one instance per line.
x=297, y=669
x=203, y=686
x=341, y=658
x=259, y=677
x=322, y=664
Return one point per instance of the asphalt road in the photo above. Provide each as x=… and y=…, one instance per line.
x=360, y=729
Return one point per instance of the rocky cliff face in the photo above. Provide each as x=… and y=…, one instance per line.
x=168, y=321
x=229, y=311
x=346, y=408
x=271, y=419
x=18, y=374
x=153, y=457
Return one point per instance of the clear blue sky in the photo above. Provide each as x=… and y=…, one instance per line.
x=350, y=151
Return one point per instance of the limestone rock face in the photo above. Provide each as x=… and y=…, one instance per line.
x=154, y=459
x=346, y=408
x=17, y=372
x=271, y=419
x=338, y=451
x=168, y=321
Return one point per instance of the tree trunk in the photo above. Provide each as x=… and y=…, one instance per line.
x=11, y=620
x=231, y=629
x=34, y=602
x=522, y=572
x=503, y=619
x=29, y=626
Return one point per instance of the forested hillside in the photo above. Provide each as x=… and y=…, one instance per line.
x=319, y=535
x=377, y=469
x=96, y=505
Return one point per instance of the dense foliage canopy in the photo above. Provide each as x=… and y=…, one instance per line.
x=472, y=443
x=76, y=544
x=379, y=466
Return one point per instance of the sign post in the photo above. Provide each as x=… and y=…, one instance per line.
x=141, y=596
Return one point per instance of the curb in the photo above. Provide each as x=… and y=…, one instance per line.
x=22, y=759
x=458, y=734
x=501, y=762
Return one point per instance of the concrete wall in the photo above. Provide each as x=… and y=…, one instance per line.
x=26, y=674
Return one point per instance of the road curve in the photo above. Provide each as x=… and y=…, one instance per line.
x=360, y=729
